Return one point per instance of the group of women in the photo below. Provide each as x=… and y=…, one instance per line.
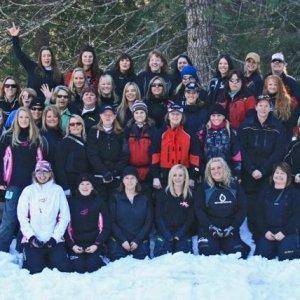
x=99, y=163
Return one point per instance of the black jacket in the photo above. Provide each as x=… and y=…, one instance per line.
x=221, y=206
x=293, y=156
x=130, y=222
x=255, y=84
x=216, y=88
x=195, y=117
x=90, y=222
x=174, y=215
x=279, y=210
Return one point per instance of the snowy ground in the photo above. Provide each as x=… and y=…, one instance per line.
x=180, y=276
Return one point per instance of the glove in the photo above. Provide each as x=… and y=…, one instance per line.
x=215, y=231
x=35, y=242
x=51, y=243
x=108, y=176
x=228, y=232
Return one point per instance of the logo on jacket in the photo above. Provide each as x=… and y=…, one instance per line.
x=222, y=200
x=184, y=204
x=84, y=212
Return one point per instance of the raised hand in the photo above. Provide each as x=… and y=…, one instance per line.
x=14, y=30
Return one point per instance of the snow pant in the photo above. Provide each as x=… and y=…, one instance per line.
x=252, y=213
x=36, y=259
x=209, y=245
x=9, y=224
x=288, y=248
x=116, y=251
x=164, y=246
x=86, y=262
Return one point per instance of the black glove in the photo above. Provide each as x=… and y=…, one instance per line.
x=215, y=231
x=35, y=242
x=108, y=176
x=51, y=243
x=228, y=232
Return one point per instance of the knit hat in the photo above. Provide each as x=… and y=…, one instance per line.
x=129, y=170
x=43, y=165
x=189, y=70
x=278, y=57
x=86, y=177
x=192, y=86
x=37, y=102
x=87, y=48
x=217, y=109
x=89, y=89
x=139, y=105
x=105, y=107
x=174, y=106
x=253, y=56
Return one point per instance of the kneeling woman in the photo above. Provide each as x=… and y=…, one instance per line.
x=174, y=213
x=43, y=213
x=220, y=211
x=89, y=227
x=278, y=217
x=131, y=219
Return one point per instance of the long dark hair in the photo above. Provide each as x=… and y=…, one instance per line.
x=125, y=56
x=286, y=168
x=229, y=61
x=2, y=94
x=157, y=53
x=174, y=68
x=240, y=75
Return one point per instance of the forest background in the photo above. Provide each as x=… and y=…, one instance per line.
x=202, y=28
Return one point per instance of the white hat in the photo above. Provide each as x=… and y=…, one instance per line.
x=278, y=57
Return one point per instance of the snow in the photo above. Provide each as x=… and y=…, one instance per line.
x=178, y=276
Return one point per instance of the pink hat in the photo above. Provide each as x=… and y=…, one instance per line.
x=43, y=165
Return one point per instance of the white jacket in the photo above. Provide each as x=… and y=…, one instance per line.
x=43, y=211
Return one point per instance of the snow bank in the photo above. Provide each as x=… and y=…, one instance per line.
x=180, y=276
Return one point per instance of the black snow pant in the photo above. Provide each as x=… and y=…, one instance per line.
x=164, y=246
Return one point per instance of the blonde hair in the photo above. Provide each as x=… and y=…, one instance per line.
x=113, y=87
x=31, y=93
x=55, y=112
x=121, y=110
x=170, y=187
x=72, y=86
x=61, y=88
x=283, y=104
x=34, y=134
x=226, y=176
x=79, y=119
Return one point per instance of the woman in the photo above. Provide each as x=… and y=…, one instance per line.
x=107, y=151
x=254, y=81
x=131, y=93
x=20, y=148
x=174, y=145
x=43, y=213
x=88, y=61
x=140, y=133
x=236, y=98
x=220, y=211
x=281, y=103
x=71, y=158
x=122, y=73
x=36, y=108
x=261, y=137
x=174, y=214
x=89, y=228
x=131, y=219
x=278, y=217
x=25, y=98
x=157, y=100
x=156, y=65
x=76, y=85
x=52, y=133
x=62, y=98
x=217, y=83
x=44, y=72
x=106, y=91
x=9, y=92
x=218, y=139
x=194, y=108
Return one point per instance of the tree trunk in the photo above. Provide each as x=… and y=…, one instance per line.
x=199, y=27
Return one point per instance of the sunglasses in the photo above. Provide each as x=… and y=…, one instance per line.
x=63, y=96
x=75, y=124
x=40, y=172
x=234, y=81
x=36, y=108
x=7, y=85
x=156, y=85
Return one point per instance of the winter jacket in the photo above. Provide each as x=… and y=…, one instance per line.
x=292, y=156
x=279, y=210
x=216, y=87
x=291, y=86
x=195, y=117
x=131, y=222
x=255, y=84
x=219, y=141
x=70, y=161
x=43, y=212
x=113, y=101
x=107, y=151
x=140, y=140
x=90, y=222
x=34, y=79
x=174, y=215
x=9, y=110
x=18, y=162
x=157, y=110
x=261, y=146
x=221, y=206
x=90, y=117
x=175, y=146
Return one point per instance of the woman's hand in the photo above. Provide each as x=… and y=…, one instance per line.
x=156, y=183
x=3, y=187
x=14, y=30
x=297, y=178
x=270, y=236
x=91, y=249
x=133, y=246
x=279, y=236
x=256, y=174
x=77, y=249
x=126, y=246
x=46, y=91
